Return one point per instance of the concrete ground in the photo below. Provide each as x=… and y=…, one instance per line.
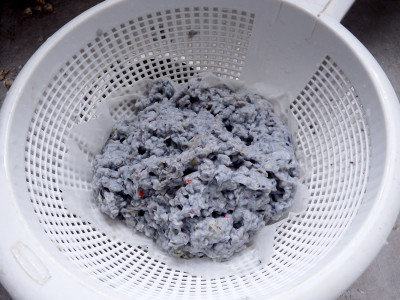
x=375, y=23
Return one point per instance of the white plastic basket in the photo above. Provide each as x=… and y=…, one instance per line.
x=346, y=109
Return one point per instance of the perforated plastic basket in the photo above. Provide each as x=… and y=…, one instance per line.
x=345, y=107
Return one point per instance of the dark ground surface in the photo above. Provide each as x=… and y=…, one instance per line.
x=375, y=23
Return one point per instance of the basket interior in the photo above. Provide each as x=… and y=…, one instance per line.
x=333, y=135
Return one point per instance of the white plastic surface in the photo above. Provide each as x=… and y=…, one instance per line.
x=346, y=109
x=332, y=8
